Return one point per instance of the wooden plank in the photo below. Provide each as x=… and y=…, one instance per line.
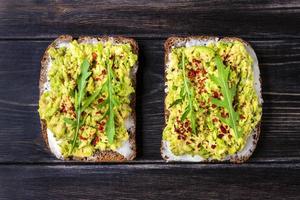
x=20, y=139
x=150, y=182
x=259, y=19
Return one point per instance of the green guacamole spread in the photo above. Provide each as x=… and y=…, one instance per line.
x=213, y=138
x=58, y=103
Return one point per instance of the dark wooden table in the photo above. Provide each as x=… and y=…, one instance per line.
x=29, y=171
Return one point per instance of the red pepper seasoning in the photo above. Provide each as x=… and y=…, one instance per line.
x=197, y=62
x=202, y=104
x=215, y=120
x=223, y=129
x=186, y=124
x=191, y=74
x=101, y=127
x=213, y=146
x=181, y=129
x=100, y=100
x=95, y=140
x=63, y=108
x=112, y=57
x=224, y=114
x=94, y=55
x=103, y=72
x=82, y=138
x=220, y=135
x=98, y=78
x=216, y=95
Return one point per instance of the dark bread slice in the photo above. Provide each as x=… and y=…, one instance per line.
x=100, y=156
x=253, y=138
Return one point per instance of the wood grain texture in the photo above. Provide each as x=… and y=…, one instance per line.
x=150, y=182
x=20, y=138
x=28, y=171
x=40, y=19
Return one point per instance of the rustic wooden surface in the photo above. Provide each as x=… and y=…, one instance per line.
x=28, y=171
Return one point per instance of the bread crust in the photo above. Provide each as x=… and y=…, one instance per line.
x=174, y=41
x=99, y=156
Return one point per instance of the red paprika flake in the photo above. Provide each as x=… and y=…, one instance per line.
x=94, y=55
x=223, y=129
x=98, y=78
x=242, y=117
x=186, y=124
x=215, y=120
x=63, y=108
x=82, y=138
x=95, y=140
x=112, y=57
x=100, y=100
x=101, y=127
x=202, y=104
x=103, y=72
x=213, y=146
x=224, y=114
x=191, y=74
x=220, y=135
x=216, y=95
x=197, y=62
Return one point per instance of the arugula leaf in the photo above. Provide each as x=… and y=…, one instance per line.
x=184, y=115
x=81, y=103
x=79, y=95
x=103, y=103
x=228, y=95
x=112, y=102
x=91, y=98
x=177, y=101
x=110, y=126
x=186, y=92
x=82, y=81
x=70, y=121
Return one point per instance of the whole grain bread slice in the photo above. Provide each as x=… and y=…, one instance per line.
x=99, y=156
x=244, y=154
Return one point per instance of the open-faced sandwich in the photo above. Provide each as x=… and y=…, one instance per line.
x=213, y=102
x=87, y=98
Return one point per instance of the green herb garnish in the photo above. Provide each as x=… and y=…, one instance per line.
x=186, y=92
x=228, y=95
x=111, y=101
x=79, y=95
x=80, y=103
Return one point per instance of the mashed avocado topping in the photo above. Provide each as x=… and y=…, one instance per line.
x=88, y=102
x=212, y=104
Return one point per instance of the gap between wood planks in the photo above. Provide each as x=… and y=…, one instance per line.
x=142, y=37
x=295, y=161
